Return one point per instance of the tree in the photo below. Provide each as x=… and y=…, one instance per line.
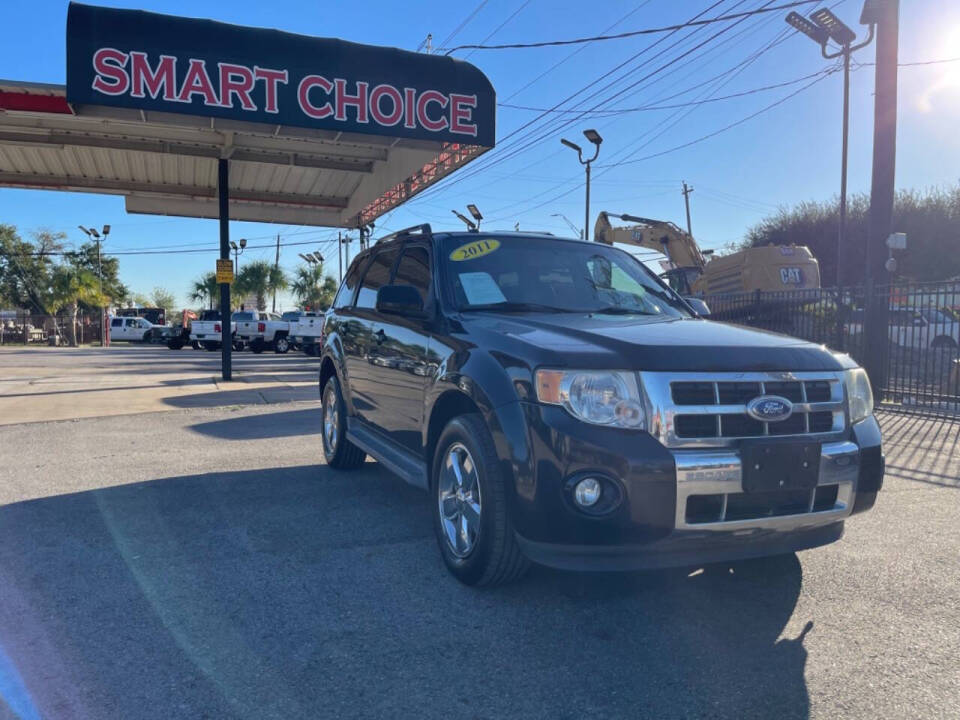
x=25, y=267
x=108, y=268
x=163, y=298
x=71, y=285
x=312, y=290
x=931, y=220
x=260, y=278
x=205, y=289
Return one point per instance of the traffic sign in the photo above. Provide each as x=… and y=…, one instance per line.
x=224, y=271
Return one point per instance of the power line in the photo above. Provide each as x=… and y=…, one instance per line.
x=498, y=159
x=633, y=33
x=575, y=52
x=156, y=251
x=644, y=108
x=500, y=27
x=462, y=25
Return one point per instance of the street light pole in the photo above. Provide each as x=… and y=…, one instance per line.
x=823, y=27
x=573, y=227
x=594, y=137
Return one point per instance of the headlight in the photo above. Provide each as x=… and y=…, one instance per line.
x=859, y=394
x=599, y=397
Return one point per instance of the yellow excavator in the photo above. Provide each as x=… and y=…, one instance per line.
x=693, y=273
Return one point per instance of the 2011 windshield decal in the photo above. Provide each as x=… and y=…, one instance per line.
x=230, y=85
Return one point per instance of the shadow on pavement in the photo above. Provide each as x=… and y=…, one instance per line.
x=243, y=396
x=302, y=592
x=289, y=423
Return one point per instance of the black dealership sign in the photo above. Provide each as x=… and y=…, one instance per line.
x=141, y=60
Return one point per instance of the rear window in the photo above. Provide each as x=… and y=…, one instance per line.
x=243, y=317
x=291, y=316
x=116, y=322
x=208, y=315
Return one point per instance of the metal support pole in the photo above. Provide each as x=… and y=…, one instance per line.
x=339, y=257
x=882, y=188
x=226, y=339
x=586, y=219
x=686, y=201
x=276, y=266
x=842, y=230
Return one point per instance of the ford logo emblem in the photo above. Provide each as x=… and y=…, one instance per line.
x=769, y=408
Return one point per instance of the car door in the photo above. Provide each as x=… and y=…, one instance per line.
x=399, y=349
x=116, y=328
x=130, y=326
x=362, y=366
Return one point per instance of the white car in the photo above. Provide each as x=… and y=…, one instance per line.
x=260, y=330
x=922, y=328
x=132, y=329
x=307, y=332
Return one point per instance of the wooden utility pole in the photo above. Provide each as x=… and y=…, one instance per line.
x=686, y=201
x=886, y=16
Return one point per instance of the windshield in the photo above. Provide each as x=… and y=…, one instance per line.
x=535, y=273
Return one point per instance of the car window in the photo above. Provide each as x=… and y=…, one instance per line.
x=530, y=272
x=243, y=316
x=116, y=322
x=130, y=322
x=414, y=270
x=377, y=275
x=349, y=284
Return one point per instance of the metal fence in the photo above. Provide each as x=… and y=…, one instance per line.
x=919, y=364
x=20, y=327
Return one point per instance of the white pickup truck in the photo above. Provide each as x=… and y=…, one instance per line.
x=307, y=332
x=261, y=330
x=208, y=331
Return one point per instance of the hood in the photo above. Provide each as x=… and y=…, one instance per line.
x=641, y=343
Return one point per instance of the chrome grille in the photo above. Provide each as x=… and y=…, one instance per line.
x=709, y=409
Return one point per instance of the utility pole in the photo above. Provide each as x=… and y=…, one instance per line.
x=276, y=266
x=885, y=14
x=686, y=201
x=340, y=256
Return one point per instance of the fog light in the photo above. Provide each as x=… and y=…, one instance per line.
x=587, y=492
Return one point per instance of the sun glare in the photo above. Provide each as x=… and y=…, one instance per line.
x=945, y=86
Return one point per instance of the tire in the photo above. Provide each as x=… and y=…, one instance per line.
x=281, y=345
x=195, y=344
x=339, y=453
x=210, y=346
x=148, y=337
x=175, y=344
x=258, y=345
x=944, y=342
x=489, y=555
x=238, y=345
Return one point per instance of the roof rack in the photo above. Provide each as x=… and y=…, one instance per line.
x=423, y=230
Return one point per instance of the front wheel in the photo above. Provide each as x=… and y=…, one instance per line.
x=944, y=342
x=281, y=345
x=339, y=452
x=257, y=345
x=471, y=518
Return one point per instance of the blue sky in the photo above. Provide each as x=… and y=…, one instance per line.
x=785, y=155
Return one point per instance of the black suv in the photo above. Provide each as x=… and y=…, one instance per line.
x=562, y=405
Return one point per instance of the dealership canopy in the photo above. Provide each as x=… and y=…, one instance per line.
x=317, y=131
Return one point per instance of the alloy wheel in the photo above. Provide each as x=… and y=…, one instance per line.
x=459, y=500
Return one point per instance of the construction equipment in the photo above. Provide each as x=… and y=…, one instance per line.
x=692, y=272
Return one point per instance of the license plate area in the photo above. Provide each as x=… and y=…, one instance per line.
x=768, y=466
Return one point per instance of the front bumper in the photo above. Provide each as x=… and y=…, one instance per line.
x=681, y=506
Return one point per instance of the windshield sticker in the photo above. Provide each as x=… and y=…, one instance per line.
x=481, y=289
x=475, y=249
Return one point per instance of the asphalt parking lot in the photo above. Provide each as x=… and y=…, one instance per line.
x=198, y=561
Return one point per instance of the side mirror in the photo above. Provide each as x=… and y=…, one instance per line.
x=400, y=300
x=698, y=305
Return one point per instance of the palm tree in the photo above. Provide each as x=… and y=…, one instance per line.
x=70, y=286
x=259, y=278
x=312, y=289
x=205, y=289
